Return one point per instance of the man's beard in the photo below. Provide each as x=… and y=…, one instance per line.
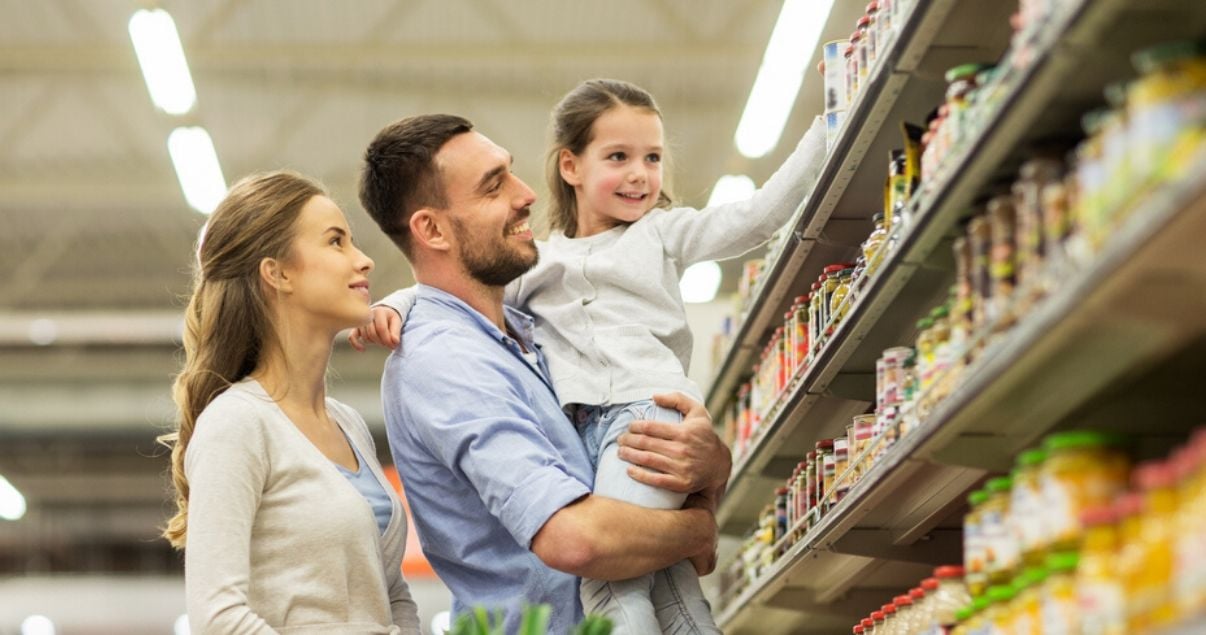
x=492, y=262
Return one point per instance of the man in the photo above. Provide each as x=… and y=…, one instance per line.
x=498, y=479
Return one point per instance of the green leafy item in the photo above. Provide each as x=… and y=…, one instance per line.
x=534, y=621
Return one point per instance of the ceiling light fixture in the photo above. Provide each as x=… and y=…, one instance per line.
x=795, y=36
x=197, y=168
x=12, y=503
x=161, y=57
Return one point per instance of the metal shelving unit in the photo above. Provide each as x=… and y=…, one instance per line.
x=1059, y=365
x=894, y=513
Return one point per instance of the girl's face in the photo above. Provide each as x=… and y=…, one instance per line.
x=326, y=273
x=618, y=176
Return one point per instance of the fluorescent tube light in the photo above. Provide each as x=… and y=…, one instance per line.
x=12, y=503
x=161, y=57
x=37, y=625
x=730, y=188
x=700, y=282
x=197, y=168
x=795, y=36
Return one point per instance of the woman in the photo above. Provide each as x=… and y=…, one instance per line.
x=284, y=514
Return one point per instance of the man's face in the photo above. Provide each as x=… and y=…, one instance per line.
x=489, y=208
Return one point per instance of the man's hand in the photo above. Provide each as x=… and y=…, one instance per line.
x=685, y=457
x=385, y=329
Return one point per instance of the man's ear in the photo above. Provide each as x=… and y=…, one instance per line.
x=429, y=228
x=274, y=275
x=567, y=163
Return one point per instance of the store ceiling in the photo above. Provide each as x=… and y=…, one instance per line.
x=97, y=237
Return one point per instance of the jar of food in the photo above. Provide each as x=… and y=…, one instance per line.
x=791, y=501
x=961, y=81
x=832, y=278
x=1190, y=585
x=977, y=623
x=864, y=49
x=1084, y=468
x=925, y=354
x=814, y=317
x=880, y=618
x=940, y=334
x=1059, y=596
x=873, y=246
x=916, y=612
x=889, y=625
x=1034, y=175
x=924, y=611
x=1002, y=217
x=840, y=303
x=1057, y=224
x=1099, y=588
x=891, y=388
x=841, y=458
x=864, y=431
x=1028, y=602
x=799, y=322
x=963, y=617
x=789, y=345
x=824, y=482
x=872, y=33
x=1090, y=212
x=997, y=616
x=810, y=489
x=1157, y=480
x=780, y=514
x=835, y=74
x=961, y=311
x=1026, y=509
x=974, y=546
x=1001, y=552
x=979, y=239
x=779, y=352
x=950, y=596
x=886, y=20
x=1167, y=106
x=1115, y=151
x=854, y=72
x=829, y=475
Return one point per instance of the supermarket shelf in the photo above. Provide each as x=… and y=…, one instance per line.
x=904, y=85
x=1047, y=97
x=1141, y=302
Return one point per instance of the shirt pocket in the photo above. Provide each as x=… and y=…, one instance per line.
x=633, y=348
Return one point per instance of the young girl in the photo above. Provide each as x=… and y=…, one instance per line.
x=608, y=312
x=284, y=514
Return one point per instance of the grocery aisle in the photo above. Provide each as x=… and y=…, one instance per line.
x=962, y=392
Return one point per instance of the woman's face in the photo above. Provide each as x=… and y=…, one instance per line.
x=327, y=273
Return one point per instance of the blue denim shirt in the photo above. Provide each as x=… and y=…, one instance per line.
x=486, y=456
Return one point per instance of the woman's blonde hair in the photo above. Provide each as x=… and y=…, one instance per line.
x=227, y=322
x=573, y=129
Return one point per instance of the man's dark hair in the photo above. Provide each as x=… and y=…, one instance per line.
x=400, y=174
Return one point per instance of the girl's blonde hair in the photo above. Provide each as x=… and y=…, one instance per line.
x=573, y=129
x=227, y=322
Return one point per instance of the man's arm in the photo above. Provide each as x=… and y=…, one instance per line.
x=606, y=539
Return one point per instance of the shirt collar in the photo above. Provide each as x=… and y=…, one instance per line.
x=521, y=323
